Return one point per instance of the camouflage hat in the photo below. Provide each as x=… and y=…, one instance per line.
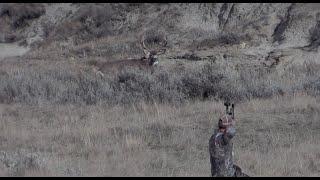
x=225, y=121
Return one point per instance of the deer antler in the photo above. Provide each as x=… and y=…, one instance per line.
x=163, y=50
x=158, y=51
x=144, y=48
x=165, y=41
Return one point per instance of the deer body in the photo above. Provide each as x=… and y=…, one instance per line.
x=147, y=62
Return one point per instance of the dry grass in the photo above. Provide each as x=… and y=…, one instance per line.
x=276, y=137
x=58, y=119
x=73, y=81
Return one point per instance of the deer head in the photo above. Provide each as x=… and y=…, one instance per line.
x=151, y=55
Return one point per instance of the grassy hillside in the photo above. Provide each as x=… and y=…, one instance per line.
x=58, y=117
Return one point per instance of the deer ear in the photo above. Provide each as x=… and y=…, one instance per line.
x=162, y=51
x=146, y=53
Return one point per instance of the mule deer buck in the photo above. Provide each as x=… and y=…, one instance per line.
x=149, y=59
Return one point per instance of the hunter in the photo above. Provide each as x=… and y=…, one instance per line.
x=221, y=147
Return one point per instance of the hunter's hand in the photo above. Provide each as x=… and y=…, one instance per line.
x=230, y=131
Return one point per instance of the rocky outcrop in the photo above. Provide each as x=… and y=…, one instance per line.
x=245, y=28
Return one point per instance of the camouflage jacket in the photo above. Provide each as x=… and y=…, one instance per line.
x=220, y=148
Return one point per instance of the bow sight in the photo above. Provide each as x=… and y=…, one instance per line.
x=229, y=110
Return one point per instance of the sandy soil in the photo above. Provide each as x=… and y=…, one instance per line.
x=11, y=50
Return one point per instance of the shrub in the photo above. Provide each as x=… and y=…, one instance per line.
x=132, y=85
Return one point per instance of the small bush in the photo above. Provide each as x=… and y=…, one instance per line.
x=21, y=13
x=314, y=38
x=224, y=39
x=132, y=85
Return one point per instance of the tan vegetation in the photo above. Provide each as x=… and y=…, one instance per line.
x=66, y=111
x=275, y=137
